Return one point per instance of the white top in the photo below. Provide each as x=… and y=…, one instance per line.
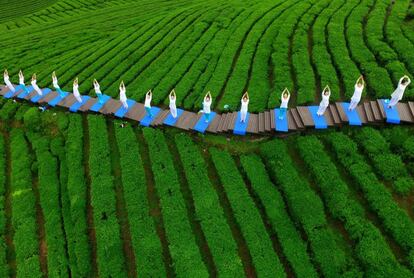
x=76, y=90
x=21, y=79
x=325, y=100
x=357, y=93
x=172, y=102
x=35, y=87
x=97, y=88
x=285, y=101
x=148, y=101
x=244, y=105
x=55, y=82
x=206, y=106
x=8, y=83
x=399, y=92
x=122, y=94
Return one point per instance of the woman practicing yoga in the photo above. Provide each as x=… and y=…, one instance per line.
x=326, y=93
x=356, y=97
x=244, y=107
x=398, y=94
x=285, y=101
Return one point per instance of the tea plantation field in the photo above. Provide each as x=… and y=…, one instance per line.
x=82, y=197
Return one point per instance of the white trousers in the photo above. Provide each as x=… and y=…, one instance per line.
x=10, y=86
x=173, y=111
x=321, y=110
x=78, y=98
x=243, y=115
x=393, y=101
x=124, y=103
x=353, y=104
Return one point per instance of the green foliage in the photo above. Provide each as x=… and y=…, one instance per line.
x=388, y=165
x=50, y=204
x=108, y=239
x=289, y=237
x=23, y=208
x=380, y=200
x=371, y=247
x=264, y=258
x=307, y=208
x=182, y=244
x=208, y=209
x=145, y=241
x=3, y=263
x=76, y=189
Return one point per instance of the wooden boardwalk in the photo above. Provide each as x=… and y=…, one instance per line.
x=299, y=118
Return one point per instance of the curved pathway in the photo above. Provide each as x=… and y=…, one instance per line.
x=297, y=119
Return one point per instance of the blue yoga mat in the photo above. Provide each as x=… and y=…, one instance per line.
x=37, y=97
x=320, y=122
x=98, y=105
x=170, y=120
x=25, y=92
x=353, y=115
x=120, y=113
x=58, y=99
x=10, y=93
x=201, y=125
x=391, y=113
x=239, y=127
x=75, y=107
x=147, y=120
x=281, y=125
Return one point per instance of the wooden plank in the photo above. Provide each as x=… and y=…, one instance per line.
x=231, y=122
x=193, y=119
x=223, y=122
x=253, y=126
x=48, y=97
x=268, y=127
x=88, y=104
x=67, y=102
x=376, y=111
x=305, y=116
x=110, y=107
x=335, y=114
x=136, y=113
x=328, y=117
x=160, y=117
x=362, y=115
x=3, y=90
x=214, y=124
x=261, y=122
x=296, y=118
x=404, y=112
x=291, y=122
x=272, y=120
x=29, y=96
x=411, y=107
x=368, y=112
x=342, y=115
x=381, y=108
x=182, y=120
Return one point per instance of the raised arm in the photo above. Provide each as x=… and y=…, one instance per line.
x=34, y=77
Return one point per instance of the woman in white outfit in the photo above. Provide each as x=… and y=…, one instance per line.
x=398, y=94
x=206, y=106
x=147, y=105
x=34, y=85
x=56, y=85
x=122, y=95
x=7, y=81
x=98, y=90
x=326, y=93
x=284, y=106
x=21, y=81
x=356, y=97
x=76, y=93
x=244, y=107
x=173, y=106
